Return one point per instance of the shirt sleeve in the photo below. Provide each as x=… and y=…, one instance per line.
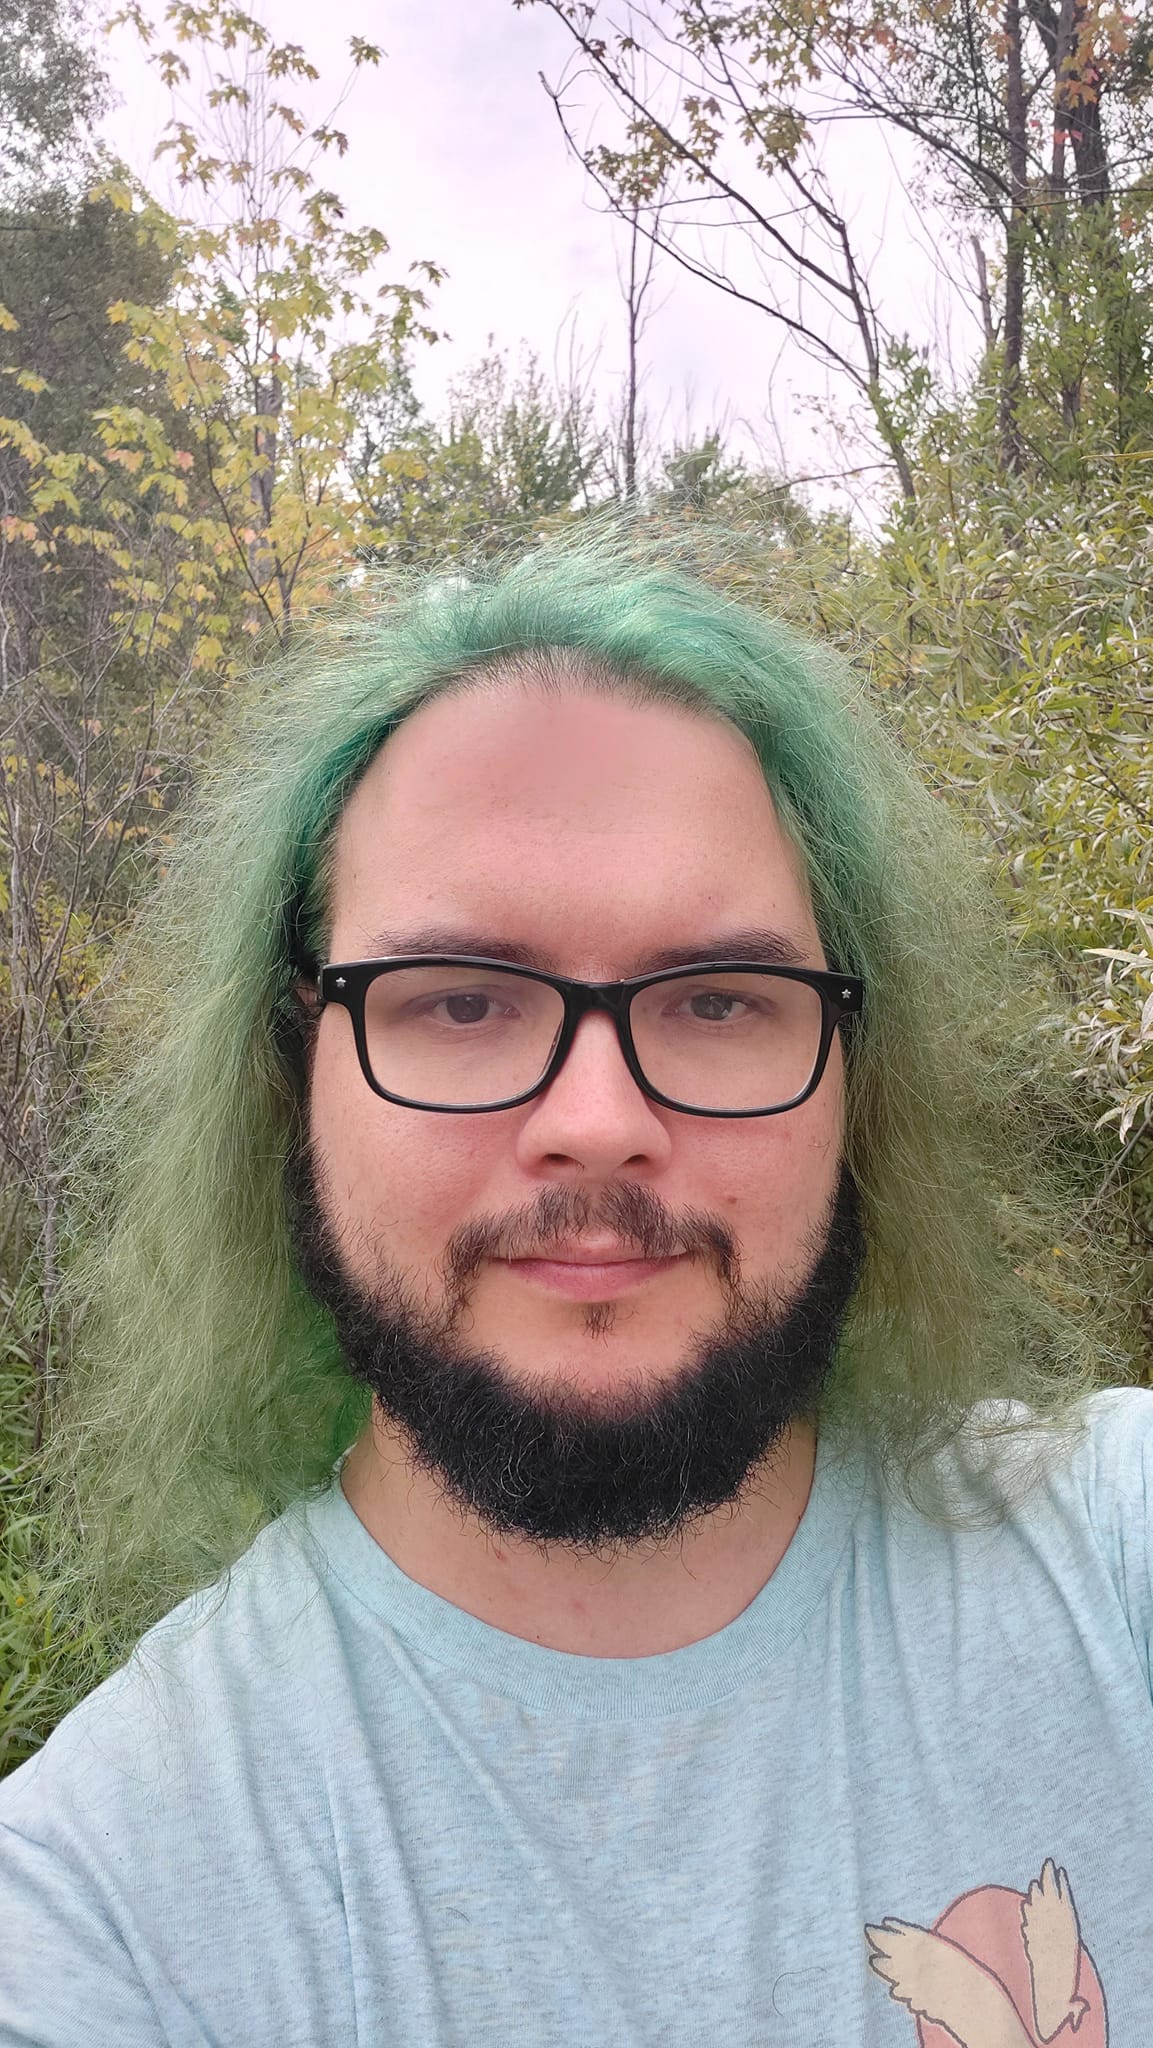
x=1119, y=1494
x=66, y=1976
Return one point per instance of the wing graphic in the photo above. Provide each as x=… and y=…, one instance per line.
x=940, y=1983
x=1052, y=1938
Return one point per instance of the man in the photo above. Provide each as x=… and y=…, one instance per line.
x=572, y=1027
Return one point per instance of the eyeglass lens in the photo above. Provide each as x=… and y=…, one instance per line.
x=472, y=1036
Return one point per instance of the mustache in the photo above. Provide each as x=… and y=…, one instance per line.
x=637, y=1217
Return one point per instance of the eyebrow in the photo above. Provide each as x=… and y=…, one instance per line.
x=758, y=946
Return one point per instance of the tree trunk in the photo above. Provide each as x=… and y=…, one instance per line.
x=1012, y=452
x=1070, y=27
x=895, y=446
x=1077, y=102
x=1077, y=93
x=633, y=300
x=268, y=396
x=984, y=296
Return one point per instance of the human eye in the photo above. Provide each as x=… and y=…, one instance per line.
x=457, y=1008
x=718, y=1004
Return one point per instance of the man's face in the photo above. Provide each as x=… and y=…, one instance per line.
x=595, y=836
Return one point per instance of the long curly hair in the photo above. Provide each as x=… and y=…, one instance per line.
x=207, y=1392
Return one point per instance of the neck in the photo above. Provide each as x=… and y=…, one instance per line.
x=648, y=1599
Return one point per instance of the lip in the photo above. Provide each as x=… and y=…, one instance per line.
x=591, y=1273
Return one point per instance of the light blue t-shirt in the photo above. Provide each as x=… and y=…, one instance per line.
x=905, y=1800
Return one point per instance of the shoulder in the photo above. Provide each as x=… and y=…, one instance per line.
x=1075, y=1500
x=135, y=1829
x=1096, y=1462
x=1098, y=1466
x=1113, y=1450
x=1108, y=1478
x=233, y=1657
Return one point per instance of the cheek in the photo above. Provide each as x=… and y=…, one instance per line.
x=398, y=1178
x=774, y=1186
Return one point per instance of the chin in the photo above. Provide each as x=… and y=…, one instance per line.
x=602, y=1365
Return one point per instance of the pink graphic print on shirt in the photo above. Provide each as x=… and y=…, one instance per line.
x=999, y=1969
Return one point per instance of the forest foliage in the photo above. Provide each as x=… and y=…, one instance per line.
x=209, y=429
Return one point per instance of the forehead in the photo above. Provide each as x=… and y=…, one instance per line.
x=568, y=821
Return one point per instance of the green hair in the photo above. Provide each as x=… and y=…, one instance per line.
x=207, y=1392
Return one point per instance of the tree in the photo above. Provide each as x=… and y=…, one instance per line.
x=173, y=470
x=715, y=137
x=1027, y=118
x=636, y=283
x=279, y=335
x=74, y=787
x=51, y=92
x=513, y=453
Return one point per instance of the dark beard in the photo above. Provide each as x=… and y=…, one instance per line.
x=589, y=1473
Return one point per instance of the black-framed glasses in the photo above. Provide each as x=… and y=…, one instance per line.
x=456, y=1033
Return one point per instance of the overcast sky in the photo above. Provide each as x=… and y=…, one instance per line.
x=456, y=153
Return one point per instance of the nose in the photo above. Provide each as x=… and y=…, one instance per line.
x=593, y=1120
